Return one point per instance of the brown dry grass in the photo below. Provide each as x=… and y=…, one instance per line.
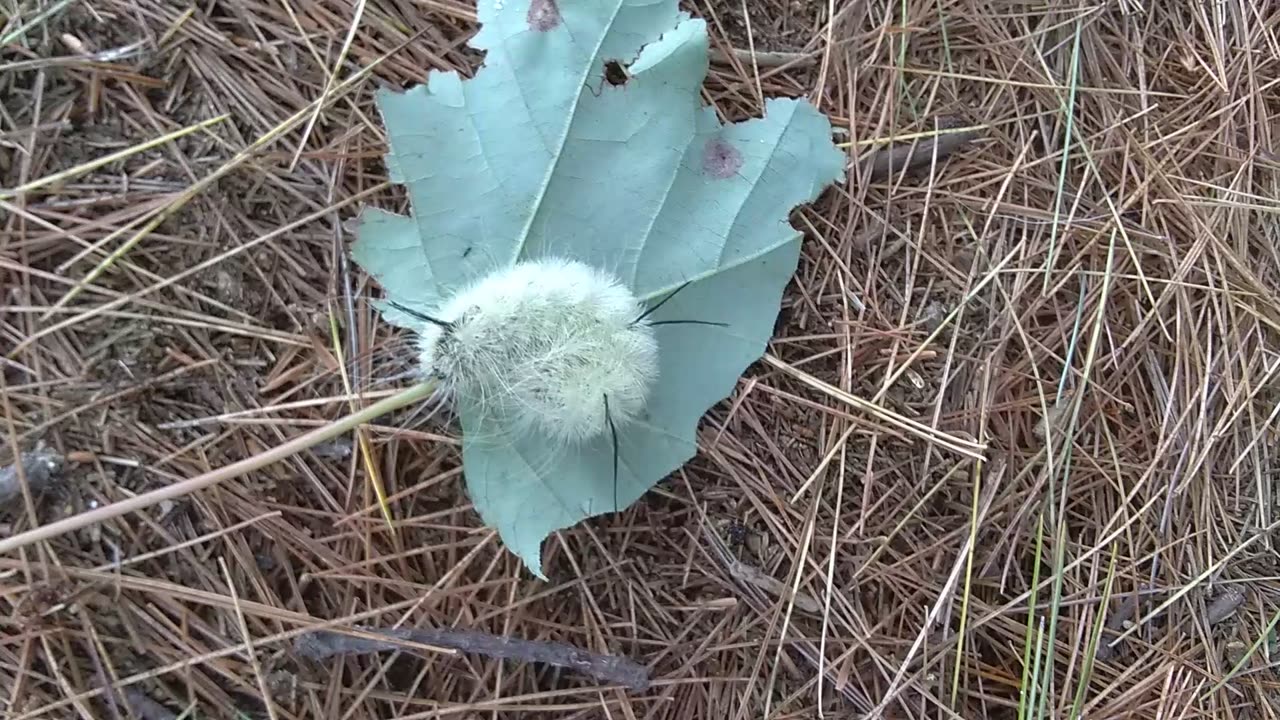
x=1124, y=289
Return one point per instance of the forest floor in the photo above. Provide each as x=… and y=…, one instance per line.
x=1076, y=305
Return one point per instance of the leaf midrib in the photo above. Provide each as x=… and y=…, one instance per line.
x=523, y=239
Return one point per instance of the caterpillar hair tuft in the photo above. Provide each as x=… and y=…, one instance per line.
x=551, y=346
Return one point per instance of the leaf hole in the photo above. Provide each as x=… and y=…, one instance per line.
x=615, y=73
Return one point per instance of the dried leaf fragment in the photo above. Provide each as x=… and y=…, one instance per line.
x=755, y=576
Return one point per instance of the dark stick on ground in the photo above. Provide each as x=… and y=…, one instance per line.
x=40, y=467
x=607, y=668
x=910, y=156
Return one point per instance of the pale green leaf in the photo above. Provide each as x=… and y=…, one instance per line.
x=390, y=249
x=539, y=155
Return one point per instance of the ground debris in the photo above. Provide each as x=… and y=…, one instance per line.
x=757, y=577
x=1116, y=624
x=884, y=162
x=324, y=644
x=1224, y=606
x=1108, y=235
x=146, y=708
x=40, y=468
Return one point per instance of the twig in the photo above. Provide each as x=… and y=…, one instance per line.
x=613, y=669
x=40, y=466
x=18, y=32
x=108, y=159
x=185, y=487
x=762, y=59
x=885, y=162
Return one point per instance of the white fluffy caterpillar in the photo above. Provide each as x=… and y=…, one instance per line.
x=550, y=346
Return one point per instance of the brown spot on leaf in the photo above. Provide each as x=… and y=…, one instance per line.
x=543, y=15
x=721, y=160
